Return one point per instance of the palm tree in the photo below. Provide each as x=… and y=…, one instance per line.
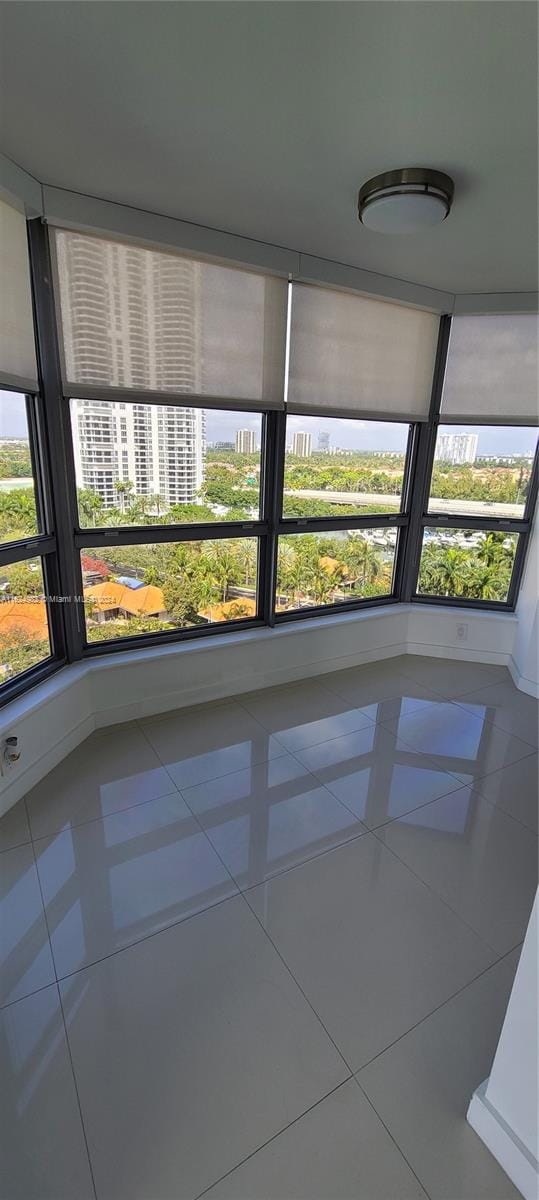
x=123, y=488
x=247, y=557
x=363, y=557
x=90, y=506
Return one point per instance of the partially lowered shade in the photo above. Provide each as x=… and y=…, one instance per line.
x=352, y=355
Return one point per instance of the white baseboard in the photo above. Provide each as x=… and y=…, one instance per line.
x=508, y=1150
x=530, y=686
x=57, y=715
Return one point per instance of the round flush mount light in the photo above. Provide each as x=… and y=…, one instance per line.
x=405, y=201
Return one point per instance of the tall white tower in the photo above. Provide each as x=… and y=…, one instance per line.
x=140, y=314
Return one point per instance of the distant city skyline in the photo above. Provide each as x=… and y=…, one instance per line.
x=347, y=433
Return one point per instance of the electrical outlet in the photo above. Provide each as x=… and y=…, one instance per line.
x=462, y=633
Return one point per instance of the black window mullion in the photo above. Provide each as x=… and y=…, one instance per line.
x=144, y=535
x=55, y=436
x=422, y=468
x=37, y=547
x=273, y=474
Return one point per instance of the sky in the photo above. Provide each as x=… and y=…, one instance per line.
x=347, y=434
x=368, y=435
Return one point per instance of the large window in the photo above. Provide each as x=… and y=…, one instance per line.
x=18, y=513
x=147, y=589
x=200, y=447
x=321, y=569
x=340, y=468
x=31, y=626
x=467, y=564
x=152, y=464
x=483, y=476
x=482, y=470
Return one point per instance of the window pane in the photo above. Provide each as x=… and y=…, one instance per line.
x=343, y=467
x=24, y=627
x=330, y=568
x=466, y=563
x=482, y=470
x=18, y=517
x=133, y=590
x=149, y=464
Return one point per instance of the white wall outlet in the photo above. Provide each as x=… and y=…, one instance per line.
x=462, y=632
x=12, y=752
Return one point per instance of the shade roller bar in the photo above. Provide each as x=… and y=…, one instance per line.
x=491, y=374
x=143, y=320
x=18, y=366
x=352, y=355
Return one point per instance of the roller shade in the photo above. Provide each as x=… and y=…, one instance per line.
x=491, y=373
x=352, y=355
x=17, y=346
x=143, y=320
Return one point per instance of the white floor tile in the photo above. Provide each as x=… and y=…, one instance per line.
x=303, y=714
x=374, y=683
x=203, y=743
x=371, y=773
x=460, y=742
x=270, y=817
x=337, y=1151
x=42, y=1150
x=421, y=1087
x=506, y=707
x=476, y=858
x=108, y=772
x=450, y=677
x=190, y=1051
x=14, y=829
x=25, y=956
x=515, y=789
x=109, y=883
x=371, y=946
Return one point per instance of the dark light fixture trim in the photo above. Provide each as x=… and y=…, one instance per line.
x=407, y=181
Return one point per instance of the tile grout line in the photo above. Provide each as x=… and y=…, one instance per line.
x=437, y=1008
x=298, y=985
x=430, y=889
x=90, y=1167
x=285, y=964
x=273, y=1138
x=68, y=1044
x=393, y=1139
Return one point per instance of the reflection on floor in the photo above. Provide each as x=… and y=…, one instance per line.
x=263, y=948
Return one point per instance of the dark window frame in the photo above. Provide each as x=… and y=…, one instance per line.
x=62, y=539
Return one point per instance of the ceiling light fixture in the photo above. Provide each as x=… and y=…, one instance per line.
x=405, y=201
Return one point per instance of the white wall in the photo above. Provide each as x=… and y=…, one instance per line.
x=525, y=666
x=504, y=1110
x=54, y=717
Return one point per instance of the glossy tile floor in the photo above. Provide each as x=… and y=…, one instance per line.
x=263, y=948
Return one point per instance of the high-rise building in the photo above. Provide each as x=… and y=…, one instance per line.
x=456, y=448
x=246, y=441
x=157, y=448
x=141, y=316
x=323, y=442
x=302, y=444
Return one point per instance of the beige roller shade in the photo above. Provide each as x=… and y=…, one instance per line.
x=17, y=346
x=354, y=355
x=491, y=373
x=145, y=320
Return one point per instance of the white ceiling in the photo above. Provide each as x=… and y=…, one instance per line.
x=263, y=119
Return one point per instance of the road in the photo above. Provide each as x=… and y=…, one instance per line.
x=465, y=508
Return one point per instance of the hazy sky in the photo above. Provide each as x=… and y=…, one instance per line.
x=348, y=434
